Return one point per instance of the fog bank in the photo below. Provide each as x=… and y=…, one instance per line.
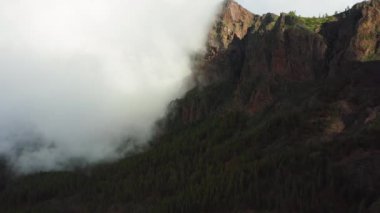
x=79, y=78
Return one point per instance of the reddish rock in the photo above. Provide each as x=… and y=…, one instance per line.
x=257, y=53
x=234, y=21
x=225, y=49
x=355, y=36
x=292, y=53
x=260, y=100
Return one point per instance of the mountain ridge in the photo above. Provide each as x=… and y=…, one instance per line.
x=274, y=47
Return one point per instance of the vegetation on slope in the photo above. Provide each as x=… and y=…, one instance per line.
x=312, y=23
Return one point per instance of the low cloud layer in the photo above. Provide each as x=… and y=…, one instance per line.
x=78, y=78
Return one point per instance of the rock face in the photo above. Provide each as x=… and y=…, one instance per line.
x=258, y=53
x=234, y=21
x=279, y=49
x=284, y=50
x=355, y=36
x=225, y=49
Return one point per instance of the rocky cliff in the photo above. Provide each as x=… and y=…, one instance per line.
x=354, y=36
x=233, y=21
x=258, y=53
x=300, y=81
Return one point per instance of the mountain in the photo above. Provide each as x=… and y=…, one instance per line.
x=287, y=48
x=284, y=118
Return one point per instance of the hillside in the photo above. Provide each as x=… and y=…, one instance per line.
x=284, y=118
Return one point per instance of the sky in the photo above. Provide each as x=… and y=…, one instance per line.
x=302, y=7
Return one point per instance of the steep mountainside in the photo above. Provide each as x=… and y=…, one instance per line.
x=277, y=50
x=285, y=117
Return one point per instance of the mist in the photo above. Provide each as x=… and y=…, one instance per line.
x=86, y=80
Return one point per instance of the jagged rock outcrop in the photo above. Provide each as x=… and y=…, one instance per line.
x=224, y=58
x=284, y=50
x=225, y=50
x=234, y=21
x=279, y=49
x=258, y=53
x=355, y=36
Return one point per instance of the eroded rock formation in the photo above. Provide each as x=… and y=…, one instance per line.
x=257, y=54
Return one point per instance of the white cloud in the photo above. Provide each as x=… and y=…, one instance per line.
x=78, y=77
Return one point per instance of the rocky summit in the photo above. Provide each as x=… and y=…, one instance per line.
x=284, y=117
x=247, y=49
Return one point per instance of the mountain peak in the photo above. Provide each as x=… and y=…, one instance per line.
x=233, y=21
x=235, y=12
